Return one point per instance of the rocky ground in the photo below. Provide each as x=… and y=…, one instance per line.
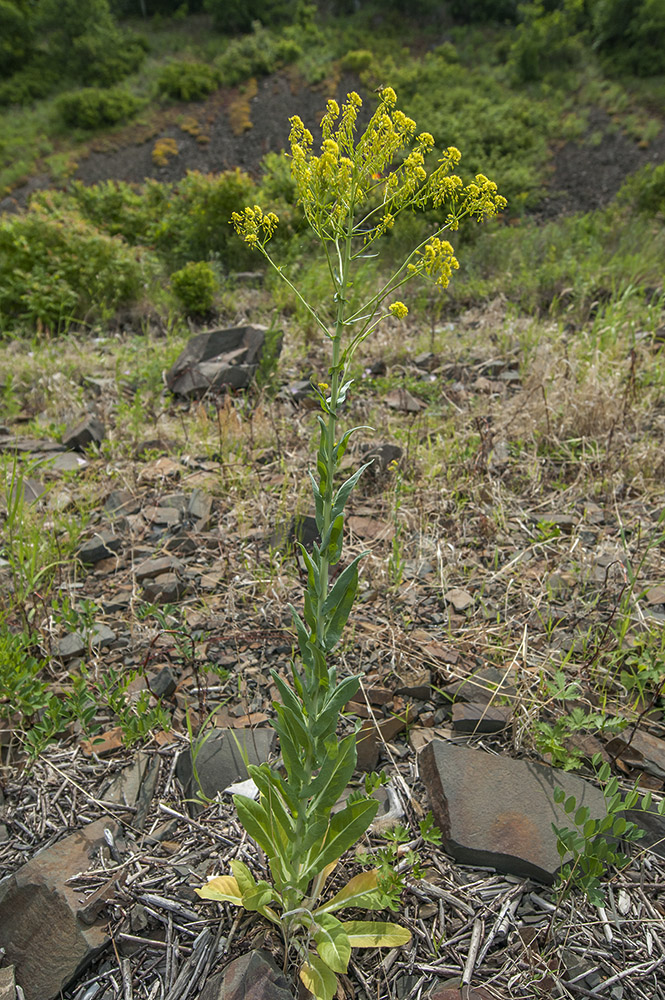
x=495, y=566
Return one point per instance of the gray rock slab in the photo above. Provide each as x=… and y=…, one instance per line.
x=165, y=589
x=102, y=545
x=71, y=645
x=497, y=811
x=88, y=431
x=7, y=983
x=253, y=976
x=220, y=760
x=479, y=717
x=39, y=916
x=217, y=357
x=150, y=568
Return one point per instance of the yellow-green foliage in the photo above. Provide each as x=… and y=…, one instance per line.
x=195, y=286
x=163, y=151
x=95, y=107
x=56, y=267
x=240, y=108
x=188, y=81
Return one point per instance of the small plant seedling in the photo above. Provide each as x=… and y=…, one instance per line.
x=594, y=843
x=351, y=195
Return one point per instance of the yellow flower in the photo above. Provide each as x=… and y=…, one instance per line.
x=324, y=387
x=398, y=309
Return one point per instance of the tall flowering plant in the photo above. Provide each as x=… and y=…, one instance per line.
x=351, y=193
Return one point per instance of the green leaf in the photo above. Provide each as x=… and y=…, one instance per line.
x=581, y=816
x=332, y=943
x=335, y=702
x=261, y=827
x=559, y=795
x=344, y=491
x=341, y=447
x=361, y=891
x=333, y=777
x=337, y=606
x=631, y=799
x=224, y=889
x=346, y=827
x=619, y=827
x=570, y=804
x=269, y=784
x=318, y=978
x=646, y=802
x=332, y=540
x=244, y=878
x=375, y=934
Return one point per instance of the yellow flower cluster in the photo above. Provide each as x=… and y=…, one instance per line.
x=398, y=309
x=437, y=260
x=253, y=226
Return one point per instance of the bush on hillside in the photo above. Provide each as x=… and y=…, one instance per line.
x=83, y=39
x=56, y=268
x=645, y=190
x=195, y=286
x=195, y=223
x=94, y=108
x=256, y=54
x=546, y=42
x=481, y=11
x=188, y=81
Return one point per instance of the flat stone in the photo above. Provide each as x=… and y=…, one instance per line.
x=640, y=749
x=482, y=686
x=39, y=915
x=199, y=508
x=497, y=811
x=65, y=462
x=125, y=786
x=7, y=983
x=71, y=645
x=218, y=357
x=101, y=635
x=381, y=456
x=88, y=431
x=165, y=589
x=162, y=515
x=401, y=399
x=460, y=599
x=253, y=976
x=369, y=742
x=654, y=829
x=150, y=568
x=164, y=683
x=480, y=717
x=121, y=503
x=102, y=545
x=220, y=761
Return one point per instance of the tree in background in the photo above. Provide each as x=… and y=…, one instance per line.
x=16, y=35
x=236, y=16
x=84, y=37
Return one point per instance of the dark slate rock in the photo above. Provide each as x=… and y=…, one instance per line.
x=88, y=431
x=480, y=717
x=497, y=811
x=150, y=568
x=253, y=976
x=71, y=645
x=121, y=503
x=39, y=915
x=219, y=357
x=102, y=545
x=220, y=761
x=164, y=683
x=381, y=455
x=165, y=589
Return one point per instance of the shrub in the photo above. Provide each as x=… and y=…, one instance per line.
x=356, y=61
x=85, y=42
x=195, y=221
x=188, y=81
x=115, y=207
x=163, y=151
x=256, y=54
x=55, y=267
x=545, y=42
x=646, y=190
x=16, y=37
x=36, y=80
x=93, y=108
x=631, y=34
x=195, y=286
